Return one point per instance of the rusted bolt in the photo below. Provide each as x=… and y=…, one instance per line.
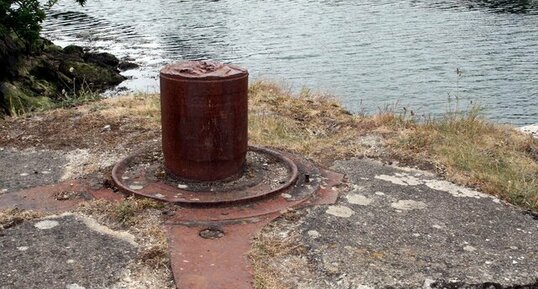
x=204, y=106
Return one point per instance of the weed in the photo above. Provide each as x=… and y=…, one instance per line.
x=12, y=217
x=78, y=96
x=127, y=209
x=313, y=125
x=266, y=247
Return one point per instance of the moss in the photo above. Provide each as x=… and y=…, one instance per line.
x=42, y=87
x=66, y=76
x=17, y=101
x=90, y=74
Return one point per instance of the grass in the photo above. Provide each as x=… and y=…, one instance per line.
x=464, y=147
x=471, y=151
x=287, y=249
x=83, y=96
x=12, y=217
x=314, y=125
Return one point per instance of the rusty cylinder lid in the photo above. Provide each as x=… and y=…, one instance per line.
x=203, y=70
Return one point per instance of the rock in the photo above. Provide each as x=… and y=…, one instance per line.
x=357, y=199
x=125, y=65
x=94, y=76
x=340, y=211
x=73, y=50
x=530, y=129
x=408, y=205
x=15, y=101
x=29, y=81
x=313, y=233
x=103, y=59
x=48, y=46
x=10, y=55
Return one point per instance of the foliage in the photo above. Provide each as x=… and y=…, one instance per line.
x=24, y=18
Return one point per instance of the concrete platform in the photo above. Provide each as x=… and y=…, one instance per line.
x=404, y=228
x=391, y=228
x=63, y=252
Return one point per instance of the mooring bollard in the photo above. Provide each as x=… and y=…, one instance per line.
x=204, y=117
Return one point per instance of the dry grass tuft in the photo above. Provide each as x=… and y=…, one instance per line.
x=121, y=121
x=465, y=148
x=144, y=106
x=125, y=213
x=314, y=125
x=268, y=247
x=13, y=217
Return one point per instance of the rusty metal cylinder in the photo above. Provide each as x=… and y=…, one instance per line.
x=204, y=117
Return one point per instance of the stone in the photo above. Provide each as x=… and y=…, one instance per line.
x=340, y=211
x=313, y=233
x=16, y=101
x=356, y=199
x=530, y=129
x=46, y=224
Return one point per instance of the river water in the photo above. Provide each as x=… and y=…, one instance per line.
x=428, y=56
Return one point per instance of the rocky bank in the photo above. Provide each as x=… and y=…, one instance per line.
x=49, y=74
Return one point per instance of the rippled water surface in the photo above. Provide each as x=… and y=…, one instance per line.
x=425, y=55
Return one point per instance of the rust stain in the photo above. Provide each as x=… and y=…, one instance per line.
x=46, y=198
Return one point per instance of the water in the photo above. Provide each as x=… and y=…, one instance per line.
x=428, y=56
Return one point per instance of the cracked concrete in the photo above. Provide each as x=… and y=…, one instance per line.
x=404, y=228
x=62, y=252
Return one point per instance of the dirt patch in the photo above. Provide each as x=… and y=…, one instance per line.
x=109, y=124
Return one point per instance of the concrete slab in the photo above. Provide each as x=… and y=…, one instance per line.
x=63, y=252
x=407, y=229
x=23, y=169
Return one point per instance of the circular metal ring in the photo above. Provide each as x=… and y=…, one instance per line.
x=165, y=192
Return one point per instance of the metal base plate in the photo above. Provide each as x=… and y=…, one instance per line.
x=139, y=175
x=210, y=231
